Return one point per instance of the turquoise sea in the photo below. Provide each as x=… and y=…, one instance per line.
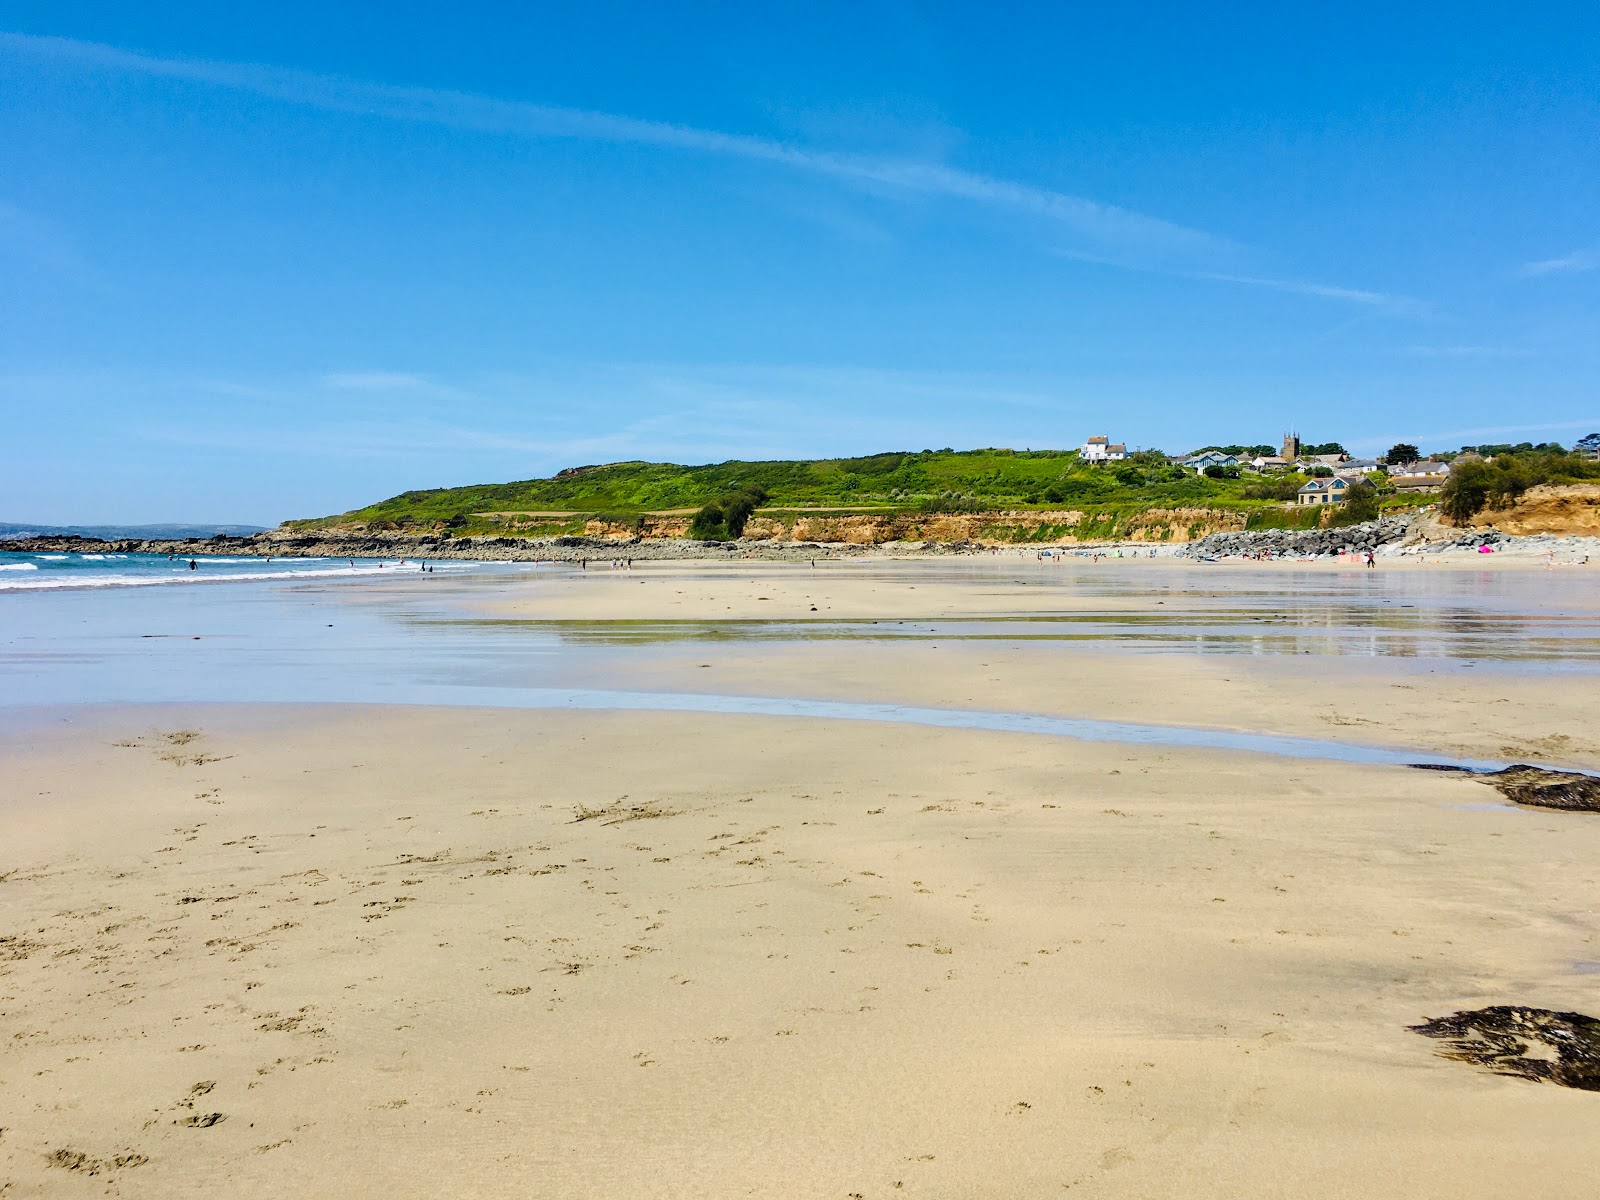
x=42, y=572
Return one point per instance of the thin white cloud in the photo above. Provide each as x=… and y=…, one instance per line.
x=1325, y=291
x=1568, y=264
x=1399, y=305
x=1131, y=235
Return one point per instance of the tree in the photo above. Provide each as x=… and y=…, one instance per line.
x=1590, y=444
x=1360, y=502
x=1402, y=452
x=1322, y=471
x=726, y=517
x=1214, y=471
x=709, y=524
x=1465, y=492
x=1325, y=448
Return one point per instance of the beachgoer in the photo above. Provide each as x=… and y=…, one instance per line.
x=193, y=565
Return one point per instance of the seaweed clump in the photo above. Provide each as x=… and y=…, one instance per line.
x=1524, y=1043
x=1543, y=788
x=1536, y=787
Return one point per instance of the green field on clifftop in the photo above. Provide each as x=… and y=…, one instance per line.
x=927, y=481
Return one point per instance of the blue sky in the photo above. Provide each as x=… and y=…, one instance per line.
x=269, y=261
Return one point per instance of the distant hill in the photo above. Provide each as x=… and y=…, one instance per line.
x=927, y=481
x=20, y=529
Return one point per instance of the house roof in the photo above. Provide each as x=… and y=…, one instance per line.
x=1117, y=446
x=1314, y=487
x=1097, y=441
x=1426, y=466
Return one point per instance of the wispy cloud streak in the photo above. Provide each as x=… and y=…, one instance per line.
x=1567, y=264
x=1104, y=224
x=1396, y=305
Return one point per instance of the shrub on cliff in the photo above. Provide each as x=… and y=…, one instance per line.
x=726, y=517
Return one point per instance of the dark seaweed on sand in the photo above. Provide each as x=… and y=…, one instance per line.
x=1526, y=1043
x=1538, y=787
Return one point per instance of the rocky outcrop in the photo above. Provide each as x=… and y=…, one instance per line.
x=434, y=546
x=1299, y=543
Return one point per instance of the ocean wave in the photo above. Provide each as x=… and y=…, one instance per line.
x=56, y=582
x=20, y=567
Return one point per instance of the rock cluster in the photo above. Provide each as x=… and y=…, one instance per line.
x=1299, y=543
x=1475, y=538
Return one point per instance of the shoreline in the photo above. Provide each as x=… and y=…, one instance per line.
x=1264, y=547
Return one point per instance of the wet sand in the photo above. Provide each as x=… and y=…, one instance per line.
x=366, y=950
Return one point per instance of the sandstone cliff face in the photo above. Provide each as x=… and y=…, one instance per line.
x=994, y=528
x=1565, y=509
x=1065, y=527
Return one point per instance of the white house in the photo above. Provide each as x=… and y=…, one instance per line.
x=1100, y=449
x=1419, y=476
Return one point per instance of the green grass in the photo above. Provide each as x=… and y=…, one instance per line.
x=926, y=481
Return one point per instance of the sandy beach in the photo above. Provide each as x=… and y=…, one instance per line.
x=350, y=950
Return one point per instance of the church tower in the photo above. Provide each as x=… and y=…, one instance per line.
x=1291, y=447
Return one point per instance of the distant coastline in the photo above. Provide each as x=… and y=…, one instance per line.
x=15, y=530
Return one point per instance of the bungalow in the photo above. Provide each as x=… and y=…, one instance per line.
x=1356, y=468
x=1269, y=462
x=1100, y=449
x=1209, y=458
x=1322, y=491
x=1419, y=476
x=1427, y=466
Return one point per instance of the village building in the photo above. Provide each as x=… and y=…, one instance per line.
x=1421, y=476
x=1208, y=458
x=1329, y=490
x=1101, y=449
x=1357, y=468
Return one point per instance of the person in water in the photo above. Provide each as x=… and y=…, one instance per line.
x=192, y=564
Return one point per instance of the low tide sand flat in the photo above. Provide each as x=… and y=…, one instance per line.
x=353, y=951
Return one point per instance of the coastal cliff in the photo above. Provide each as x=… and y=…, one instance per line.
x=779, y=534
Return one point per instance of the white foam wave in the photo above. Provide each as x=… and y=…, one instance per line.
x=108, y=580
x=20, y=567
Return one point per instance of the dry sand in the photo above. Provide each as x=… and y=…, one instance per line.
x=772, y=958
x=272, y=951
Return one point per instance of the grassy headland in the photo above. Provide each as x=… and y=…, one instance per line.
x=1098, y=500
